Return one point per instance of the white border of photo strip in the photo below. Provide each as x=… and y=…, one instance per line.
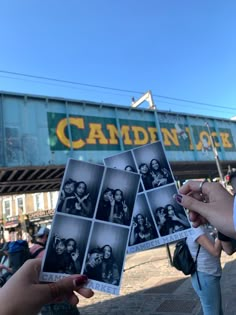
x=67, y=223
x=132, y=159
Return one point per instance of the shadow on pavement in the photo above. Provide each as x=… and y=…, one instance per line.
x=150, y=286
x=228, y=288
x=171, y=297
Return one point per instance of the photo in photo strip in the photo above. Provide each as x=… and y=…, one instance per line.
x=157, y=218
x=91, y=225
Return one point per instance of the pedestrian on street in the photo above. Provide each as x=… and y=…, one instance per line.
x=38, y=248
x=206, y=280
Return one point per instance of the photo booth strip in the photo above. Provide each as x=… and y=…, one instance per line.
x=91, y=225
x=157, y=218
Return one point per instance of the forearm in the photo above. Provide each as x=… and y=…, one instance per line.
x=63, y=208
x=132, y=237
x=86, y=207
x=116, y=274
x=226, y=243
x=111, y=215
x=222, y=219
x=184, y=222
x=77, y=265
x=126, y=213
x=227, y=247
x=217, y=247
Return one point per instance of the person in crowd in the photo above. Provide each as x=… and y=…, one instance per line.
x=161, y=176
x=82, y=202
x=232, y=180
x=93, y=267
x=141, y=230
x=67, y=197
x=119, y=210
x=105, y=204
x=206, y=281
x=219, y=210
x=2, y=241
x=35, y=294
x=38, y=248
x=73, y=264
x=146, y=176
x=110, y=270
x=4, y=263
x=5, y=267
x=130, y=168
x=19, y=236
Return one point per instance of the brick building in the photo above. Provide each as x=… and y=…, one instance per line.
x=26, y=211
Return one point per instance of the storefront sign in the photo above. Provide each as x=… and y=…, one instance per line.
x=40, y=214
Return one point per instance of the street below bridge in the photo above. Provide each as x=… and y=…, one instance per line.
x=150, y=286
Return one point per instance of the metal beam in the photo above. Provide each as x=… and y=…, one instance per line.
x=12, y=175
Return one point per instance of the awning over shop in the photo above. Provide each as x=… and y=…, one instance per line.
x=11, y=224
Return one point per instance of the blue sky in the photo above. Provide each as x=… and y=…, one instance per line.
x=182, y=49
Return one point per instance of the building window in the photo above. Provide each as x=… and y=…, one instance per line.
x=7, y=209
x=52, y=199
x=20, y=205
x=38, y=202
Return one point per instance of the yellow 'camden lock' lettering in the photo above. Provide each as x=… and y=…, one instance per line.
x=60, y=131
x=138, y=133
x=170, y=137
x=95, y=133
x=114, y=134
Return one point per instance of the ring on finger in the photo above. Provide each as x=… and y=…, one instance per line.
x=201, y=186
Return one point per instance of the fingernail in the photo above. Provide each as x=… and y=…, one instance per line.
x=80, y=280
x=178, y=198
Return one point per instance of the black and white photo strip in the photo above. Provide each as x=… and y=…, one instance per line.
x=91, y=225
x=105, y=257
x=155, y=219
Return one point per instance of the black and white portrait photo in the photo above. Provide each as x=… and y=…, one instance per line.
x=153, y=165
x=117, y=197
x=80, y=188
x=67, y=245
x=102, y=214
x=123, y=161
x=170, y=217
x=143, y=228
x=106, y=253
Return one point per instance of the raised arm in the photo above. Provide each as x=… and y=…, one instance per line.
x=213, y=248
x=133, y=237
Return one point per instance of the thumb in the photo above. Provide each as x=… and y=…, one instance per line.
x=63, y=289
x=191, y=203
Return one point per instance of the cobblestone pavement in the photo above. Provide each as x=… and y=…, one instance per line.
x=151, y=286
